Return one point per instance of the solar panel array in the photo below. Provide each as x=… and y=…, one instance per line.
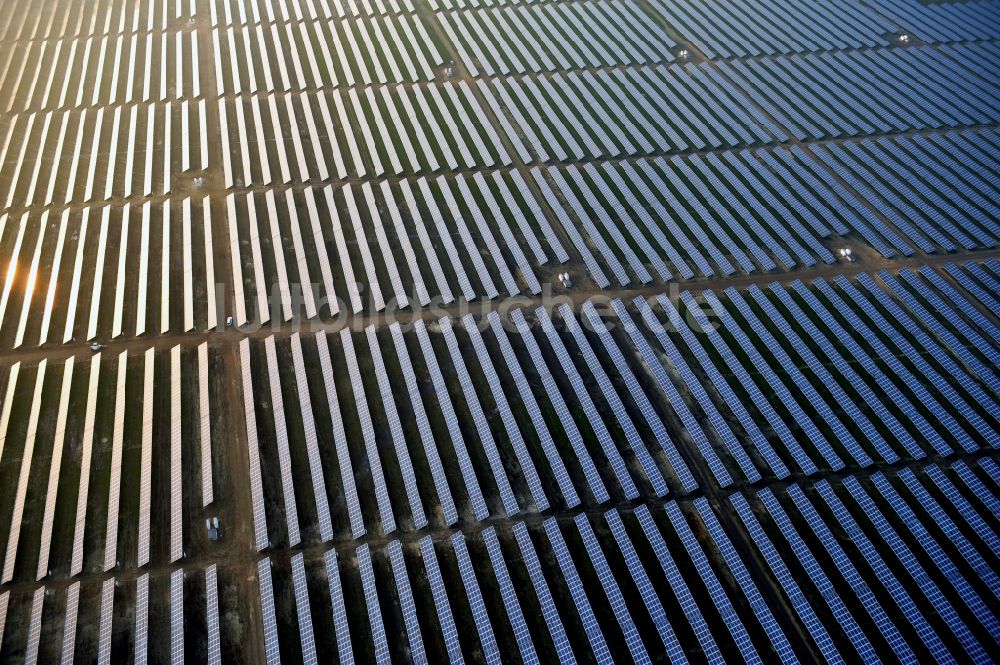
x=391, y=228
x=925, y=531
x=530, y=38
x=396, y=430
x=509, y=596
x=491, y=652
x=353, y=42
x=445, y=498
x=645, y=587
x=386, y=516
x=788, y=525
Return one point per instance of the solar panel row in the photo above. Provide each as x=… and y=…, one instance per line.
x=176, y=459
x=940, y=22
x=643, y=98
x=14, y=533
x=177, y=617
x=55, y=469
x=84, y=170
x=303, y=612
x=145, y=463
x=228, y=12
x=107, y=17
x=344, y=47
x=70, y=623
x=214, y=645
x=341, y=627
x=272, y=649
x=407, y=605
x=439, y=592
x=261, y=539
x=105, y=623
x=142, y=618
x=4, y=602
x=452, y=142
x=34, y=626
x=768, y=28
x=510, y=40
x=852, y=100
x=369, y=213
x=85, y=314
x=112, y=69
x=281, y=439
